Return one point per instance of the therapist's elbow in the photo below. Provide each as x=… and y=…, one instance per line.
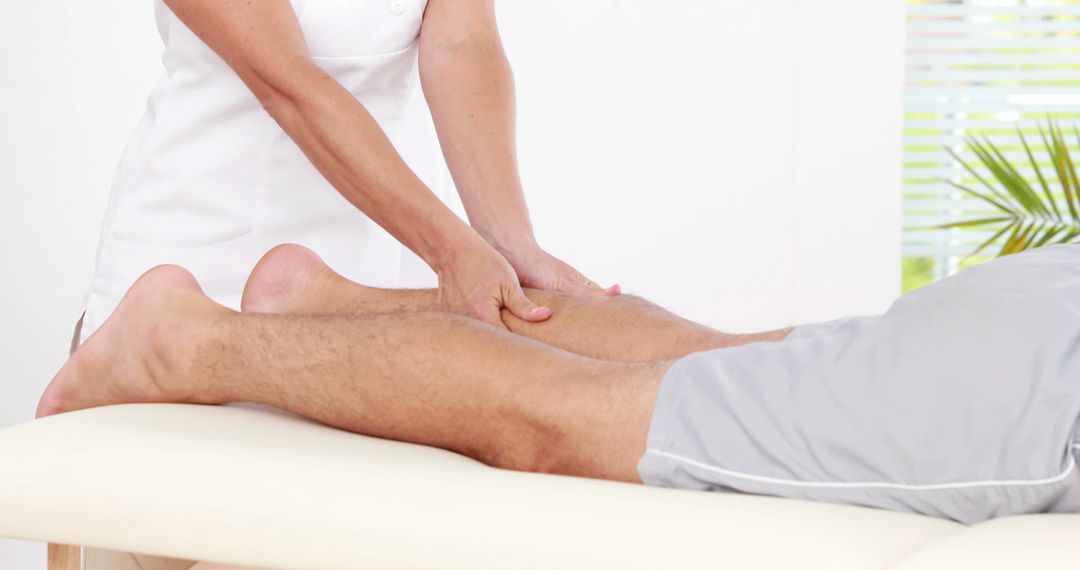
x=280, y=106
x=282, y=90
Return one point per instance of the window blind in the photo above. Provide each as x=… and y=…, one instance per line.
x=979, y=67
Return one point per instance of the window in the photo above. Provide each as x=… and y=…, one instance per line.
x=984, y=68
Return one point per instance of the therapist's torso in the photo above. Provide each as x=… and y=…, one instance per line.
x=209, y=181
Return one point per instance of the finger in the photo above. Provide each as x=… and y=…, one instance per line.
x=523, y=308
x=588, y=287
x=574, y=283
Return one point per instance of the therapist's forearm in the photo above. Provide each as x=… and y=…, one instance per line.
x=348, y=147
x=470, y=90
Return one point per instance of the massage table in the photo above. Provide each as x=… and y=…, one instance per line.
x=259, y=487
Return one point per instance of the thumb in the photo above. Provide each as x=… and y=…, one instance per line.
x=523, y=308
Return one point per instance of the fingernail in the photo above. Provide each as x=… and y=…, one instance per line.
x=613, y=290
x=540, y=313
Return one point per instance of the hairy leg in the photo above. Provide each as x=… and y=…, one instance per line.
x=426, y=378
x=293, y=279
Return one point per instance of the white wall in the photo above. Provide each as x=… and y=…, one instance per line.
x=73, y=81
x=736, y=160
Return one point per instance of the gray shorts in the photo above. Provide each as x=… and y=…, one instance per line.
x=962, y=401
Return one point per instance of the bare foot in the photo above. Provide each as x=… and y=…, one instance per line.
x=292, y=279
x=123, y=361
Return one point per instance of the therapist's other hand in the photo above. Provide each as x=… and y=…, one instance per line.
x=539, y=269
x=479, y=282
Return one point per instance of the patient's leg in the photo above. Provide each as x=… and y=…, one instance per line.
x=293, y=279
x=427, y=378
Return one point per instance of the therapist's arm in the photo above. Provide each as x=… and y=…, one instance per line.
x=263, y=43
x=469, y=87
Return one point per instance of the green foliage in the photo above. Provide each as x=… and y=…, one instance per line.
x=1030, y=213
x=917, y=272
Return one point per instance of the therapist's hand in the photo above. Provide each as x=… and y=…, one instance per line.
x=538, y=269
x=479, y=282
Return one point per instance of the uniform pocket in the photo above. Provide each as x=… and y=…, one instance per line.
x=198, y=173
x=354, y=28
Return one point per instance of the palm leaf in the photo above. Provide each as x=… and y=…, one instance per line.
x=997, y=204
x=1051, y=231
x=1069, y=237
x=1007, y=176
x=1038, y=173
x=1030, y=215
x=1009, y=246
x=1003, y=199
x=1070, y=170
x=973, y=223
x=993, y=238
x=1054, y=147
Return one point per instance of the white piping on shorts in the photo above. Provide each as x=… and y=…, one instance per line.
x=845, y=485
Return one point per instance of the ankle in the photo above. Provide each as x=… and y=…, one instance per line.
x=176, y=358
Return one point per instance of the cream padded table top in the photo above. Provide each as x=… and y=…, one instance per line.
x=261, y=488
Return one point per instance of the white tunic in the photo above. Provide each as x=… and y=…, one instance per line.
x=210, y=182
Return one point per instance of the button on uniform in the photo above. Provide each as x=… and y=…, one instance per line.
x=397, y=7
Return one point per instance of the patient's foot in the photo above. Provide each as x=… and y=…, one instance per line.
x=128, y=358
x=293, y=279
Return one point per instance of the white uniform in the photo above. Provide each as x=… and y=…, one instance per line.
x=210, y=182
